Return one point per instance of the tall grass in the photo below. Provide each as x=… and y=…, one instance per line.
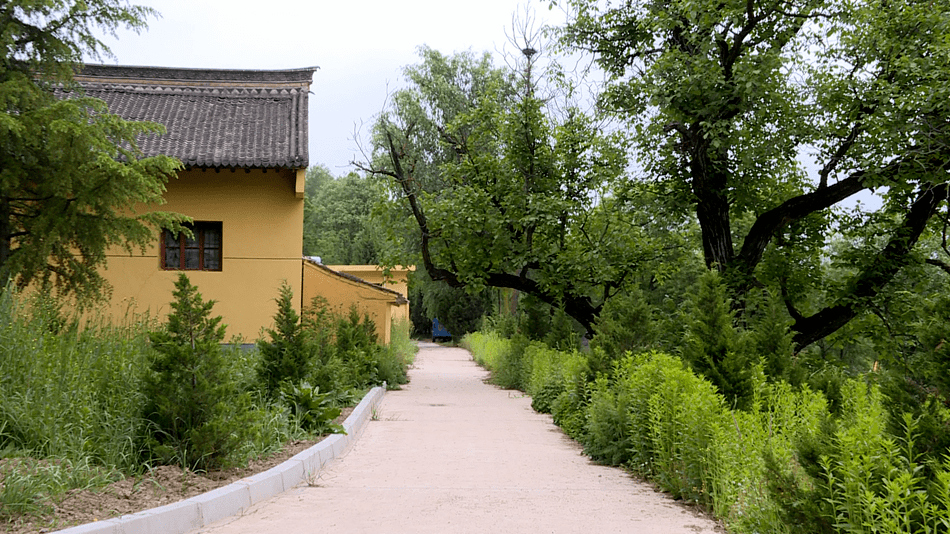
x=396, y=358
x=73, y=403
x=488, y=348
x=786, y=463
x=70, y=394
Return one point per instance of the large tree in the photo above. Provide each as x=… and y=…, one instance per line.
x=509, y=185
x=71, y=173
x=726, y=96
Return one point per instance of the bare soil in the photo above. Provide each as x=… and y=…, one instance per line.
x=160, y=486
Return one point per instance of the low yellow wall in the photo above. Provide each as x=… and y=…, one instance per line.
x=262, y=236
x=341, y=293
x=397, y=279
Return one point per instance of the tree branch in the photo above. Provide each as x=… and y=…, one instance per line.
x=768, y=224
x=846, y=145
x=789, y=305
x=878, y=273
x=938, y=263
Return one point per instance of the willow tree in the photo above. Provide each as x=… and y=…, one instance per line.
x=726, y=96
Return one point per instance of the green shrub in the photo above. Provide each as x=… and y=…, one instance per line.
x=355, y=345
x=391, y=367
x=395, y=359
x=486, y=348
x=569, y=410
x=790, y=460
x=511, y=369
x=543, y=368
x=547, y=374
x=400, y=339
x=289, y=353
x=563, y=334
x=314, y=411
x=502, y=323
x=534, y=317
x=607, y=435
x=641, y=376
x=713, y=348
x=197, y=417
x=874, y=482
x=504, y=358
x=327, y=369
x=771, y=340
x=625, y=324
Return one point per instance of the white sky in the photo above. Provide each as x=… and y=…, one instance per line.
x=360, y=47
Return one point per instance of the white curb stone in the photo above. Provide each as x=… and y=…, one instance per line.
x=233, y=499
x=223, y=502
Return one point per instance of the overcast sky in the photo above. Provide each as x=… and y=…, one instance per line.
x=360, y=47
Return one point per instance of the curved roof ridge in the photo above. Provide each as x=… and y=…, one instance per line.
x=180, y=74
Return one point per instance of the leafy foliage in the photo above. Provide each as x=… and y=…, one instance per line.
x=506, y=190
x=314, y=411
x=71, y=172
x=459, y=310
x=724, y=97
x=339, y=226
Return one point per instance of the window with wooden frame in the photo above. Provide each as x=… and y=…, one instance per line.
x=201, y=252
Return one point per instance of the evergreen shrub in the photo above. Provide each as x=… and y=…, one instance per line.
x=289, y=354
x=625, y=324
x=355, y=344
x=713, y=347
x=197, y=417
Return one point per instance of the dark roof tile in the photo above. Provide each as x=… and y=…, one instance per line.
x=213, y=118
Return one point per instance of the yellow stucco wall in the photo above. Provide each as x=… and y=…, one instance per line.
x=262, y=235
x=341, y=293
x=397, y=280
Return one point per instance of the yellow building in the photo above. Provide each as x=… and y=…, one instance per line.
x=342, y=288
x=242, y=136
x=395, y=278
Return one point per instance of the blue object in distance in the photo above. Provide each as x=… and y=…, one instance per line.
x=439, y=332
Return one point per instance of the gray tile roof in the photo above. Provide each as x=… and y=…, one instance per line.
x=213, y=118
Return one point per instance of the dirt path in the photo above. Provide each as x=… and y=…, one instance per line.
x=450, y=453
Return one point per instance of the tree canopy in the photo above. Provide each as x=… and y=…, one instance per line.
x=726, y=97
x=510, y=188
x=339, y=226
x=71, y=173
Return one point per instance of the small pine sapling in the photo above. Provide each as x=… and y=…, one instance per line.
x=190, y=395
x=713, y=346
x=288, y=355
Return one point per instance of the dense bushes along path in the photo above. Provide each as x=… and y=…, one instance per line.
x=449, y=453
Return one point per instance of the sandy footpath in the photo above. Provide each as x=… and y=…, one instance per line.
x=451, y=454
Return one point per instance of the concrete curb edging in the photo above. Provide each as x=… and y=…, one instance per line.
x=235, y=498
